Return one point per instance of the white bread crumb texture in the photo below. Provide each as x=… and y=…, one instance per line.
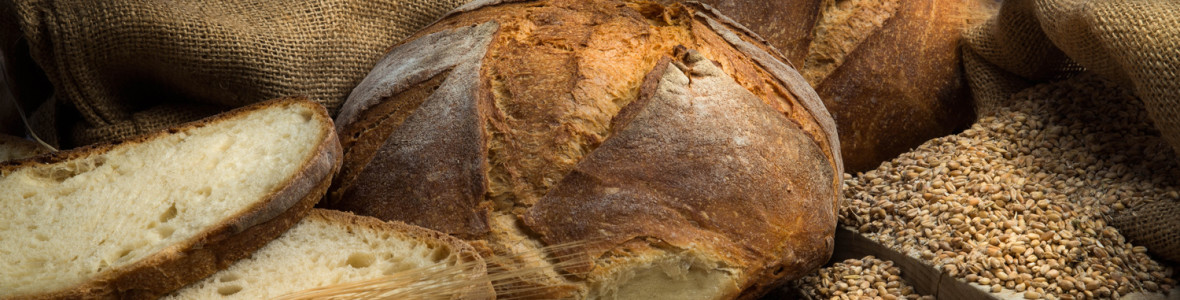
x=317, y=253
x=64, y=223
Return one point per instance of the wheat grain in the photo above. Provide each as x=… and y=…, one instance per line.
x=448, y=281
x=1021, y=199
x=867, y=277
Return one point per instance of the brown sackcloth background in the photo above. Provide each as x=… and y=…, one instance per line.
x=131, y=66
x=1135, y=43
x=1153, y=225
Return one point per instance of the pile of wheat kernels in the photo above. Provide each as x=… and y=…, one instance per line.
x=867, y=277
x=1020, y=200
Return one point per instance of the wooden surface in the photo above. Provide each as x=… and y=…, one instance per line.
x=925, y=279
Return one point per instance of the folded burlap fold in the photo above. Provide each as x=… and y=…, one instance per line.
x=130, y=66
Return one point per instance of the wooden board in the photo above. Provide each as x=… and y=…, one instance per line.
x=927, y=280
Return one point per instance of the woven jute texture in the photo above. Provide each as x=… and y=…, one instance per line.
x=132, y=66
x=1154, y=225
x=1134, y=43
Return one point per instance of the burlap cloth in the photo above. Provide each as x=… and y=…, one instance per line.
x=1154, y=225
x=1135, y=43
x=125, y=67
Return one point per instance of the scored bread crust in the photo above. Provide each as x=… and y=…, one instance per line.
x=774, y=63
x=535, y=78
x=786, y=24
x=706, y=190
x=447, y=152
x=220, y=245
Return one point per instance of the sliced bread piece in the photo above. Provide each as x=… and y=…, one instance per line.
x=12, y=147
x=329, y=248
x=145, y=216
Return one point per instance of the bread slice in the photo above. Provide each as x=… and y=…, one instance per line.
x=145, y=216
x=12, y=147
x=329, y=248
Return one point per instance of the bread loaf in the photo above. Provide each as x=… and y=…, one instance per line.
x=141, y=217
x=330, y=248
x=682, y=154
x=890, y=73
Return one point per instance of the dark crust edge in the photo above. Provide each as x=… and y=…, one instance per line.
x=219, y=246
x=716, y=14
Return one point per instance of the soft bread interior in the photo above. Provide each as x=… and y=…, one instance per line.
x=658, y=274
x=64, y=223
x=319, y=252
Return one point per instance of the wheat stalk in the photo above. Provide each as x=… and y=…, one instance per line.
x=6, y=92
x=458, y=280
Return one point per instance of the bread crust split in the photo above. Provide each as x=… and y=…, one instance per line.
x=573, y=127
x=787, y=25
x=705, y=197
x=217, y=246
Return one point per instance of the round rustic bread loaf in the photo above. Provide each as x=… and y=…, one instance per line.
x=890, y=73
x=677, y=153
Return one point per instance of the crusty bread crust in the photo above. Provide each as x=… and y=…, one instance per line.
x=441, y=160
x=773, y=62
x=559, y=89
x=738, y=193
x=219, y=246
x=787, y=25
x=902, y=83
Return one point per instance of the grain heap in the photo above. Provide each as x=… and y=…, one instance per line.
x=858, y=278
x=1020, y=201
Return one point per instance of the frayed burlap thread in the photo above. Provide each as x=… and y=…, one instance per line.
x=131, y=66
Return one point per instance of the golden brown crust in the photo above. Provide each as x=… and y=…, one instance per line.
x=560, y=82
x=814, y=109
x=753, y=190
x=219, y=246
